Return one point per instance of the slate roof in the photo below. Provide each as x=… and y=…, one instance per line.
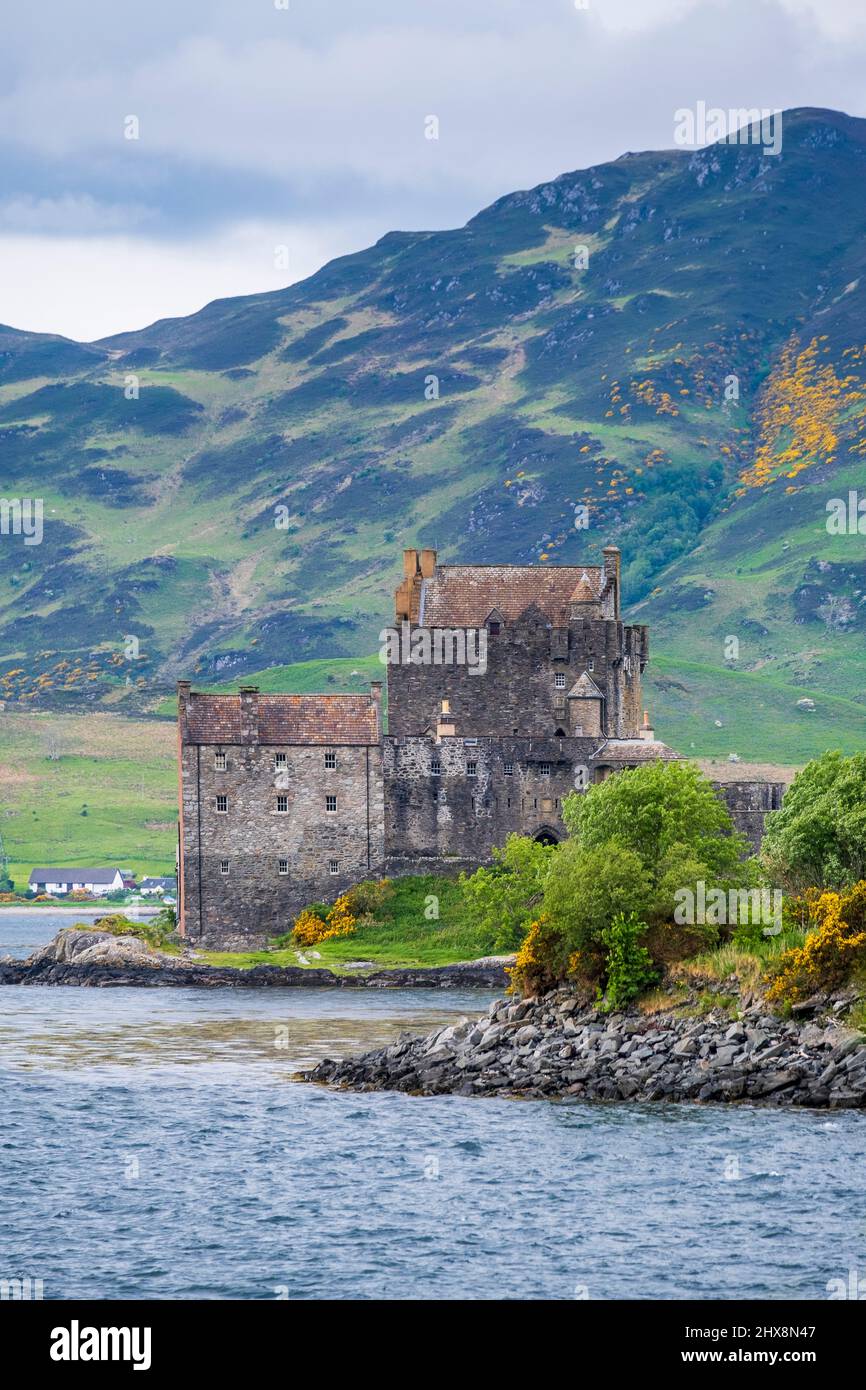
x=464, y=595
x=633, y=750
x=313, y=719
x=585, y=688
x=97, y=876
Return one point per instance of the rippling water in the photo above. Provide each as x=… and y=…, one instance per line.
x=154, y=1145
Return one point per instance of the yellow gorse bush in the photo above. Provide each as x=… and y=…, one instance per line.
x=309, y=929
x=835, y=946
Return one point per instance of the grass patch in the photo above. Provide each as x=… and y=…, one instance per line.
x=400, y=935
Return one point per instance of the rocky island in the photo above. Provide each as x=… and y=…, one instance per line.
x=696, y=1049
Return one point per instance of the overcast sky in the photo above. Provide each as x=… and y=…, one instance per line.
x=304, y=127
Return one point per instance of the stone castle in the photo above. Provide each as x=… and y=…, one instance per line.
x=290, y=799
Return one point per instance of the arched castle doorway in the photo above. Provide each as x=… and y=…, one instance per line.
x=546, y=836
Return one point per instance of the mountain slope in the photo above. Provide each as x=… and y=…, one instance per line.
x=673, y=340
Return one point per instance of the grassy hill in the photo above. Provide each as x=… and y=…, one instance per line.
x=674, y=340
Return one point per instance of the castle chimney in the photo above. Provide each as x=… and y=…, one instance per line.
x=647, y=732
x=612, y=559
x=410, y=564
x=428, y=564
x=249, y=713
x=445, y=727
x=376, y=697
x=183, y=697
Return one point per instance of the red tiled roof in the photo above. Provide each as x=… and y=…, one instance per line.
x=464, y=595
x=338, y=719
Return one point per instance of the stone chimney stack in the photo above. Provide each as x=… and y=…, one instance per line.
x=445, y=726
x=376, y=697
x=428, y=564
x=407, y=595
x=183, y=698
x=612, y=559
x=647, y=732
x=249, y=713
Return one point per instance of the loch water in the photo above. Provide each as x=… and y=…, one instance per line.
x=153, y=1144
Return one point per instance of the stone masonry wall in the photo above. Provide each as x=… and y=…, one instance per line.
x=458, y=815
x=254, y=900
x=517, y=693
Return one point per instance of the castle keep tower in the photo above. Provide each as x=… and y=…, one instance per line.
x=477, y=750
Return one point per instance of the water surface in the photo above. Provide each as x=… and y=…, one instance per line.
x=154, y=1144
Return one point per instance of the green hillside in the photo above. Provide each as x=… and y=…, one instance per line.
x=232, y=490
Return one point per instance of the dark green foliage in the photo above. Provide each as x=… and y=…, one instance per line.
x=818, y=838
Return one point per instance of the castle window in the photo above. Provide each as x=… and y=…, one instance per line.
x=435, y=768
x=509, y=803
x=283, y=866
x=330, y=760
x=330, y=803
x=494, y=629
x=224, y=866
x=559, y=680
x=279, y=762
x=590, y=665
x=222, y=805
x=219, y=762
x=282, y=805
x=535, y=803
x=471, y=769
x=544, y=769
x=509, y=769
x=333, y=866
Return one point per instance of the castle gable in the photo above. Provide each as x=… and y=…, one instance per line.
x=585, y=688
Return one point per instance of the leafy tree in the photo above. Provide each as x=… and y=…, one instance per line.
x=500, y=900
x=637, y=838
x=586, y=888
x=818, y=838
x=656, y=811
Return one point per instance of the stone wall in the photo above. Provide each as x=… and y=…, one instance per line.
x=517, y=694
x=749, y=804
x=254, y=900
x=457, y=814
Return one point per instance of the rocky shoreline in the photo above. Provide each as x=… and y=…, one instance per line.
x=102, y=960
x=555, y=1048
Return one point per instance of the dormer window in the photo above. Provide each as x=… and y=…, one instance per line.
x=493, y=622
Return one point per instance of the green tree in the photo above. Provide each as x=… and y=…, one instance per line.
x=818, y=838
x=655, y=811
x=501, y=900
x=586, y=888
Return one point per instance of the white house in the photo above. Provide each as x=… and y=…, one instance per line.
x=96, y=882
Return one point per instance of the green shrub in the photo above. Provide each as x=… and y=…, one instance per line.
x=629, y=966
x=501, y=901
